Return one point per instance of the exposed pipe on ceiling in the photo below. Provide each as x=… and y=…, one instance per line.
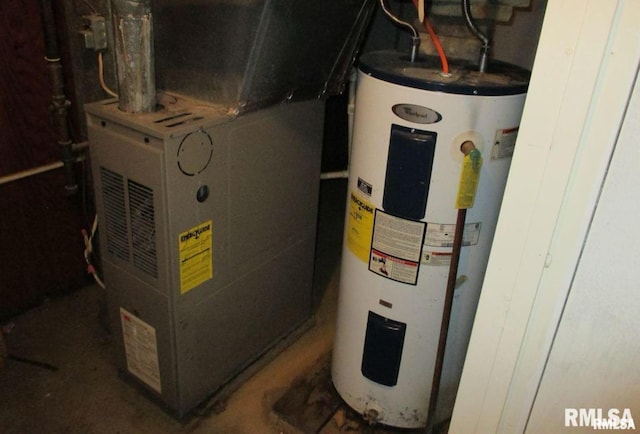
x=59, y=104
x=133, y=30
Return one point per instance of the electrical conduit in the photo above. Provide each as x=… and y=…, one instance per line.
x=484, y=53
x=415, y=39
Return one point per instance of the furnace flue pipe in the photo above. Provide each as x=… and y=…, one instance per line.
x=133, y=29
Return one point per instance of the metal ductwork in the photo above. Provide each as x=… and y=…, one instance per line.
x=245, y=54
x=249, y=54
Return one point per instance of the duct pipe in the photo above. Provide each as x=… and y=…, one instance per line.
x=133, y=29
x=59, y=104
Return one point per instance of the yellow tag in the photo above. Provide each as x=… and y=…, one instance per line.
x=196, y=256
x=469, y=178
x=359, y=227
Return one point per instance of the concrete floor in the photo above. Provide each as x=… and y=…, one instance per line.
x=86, y=395
x=78, y=390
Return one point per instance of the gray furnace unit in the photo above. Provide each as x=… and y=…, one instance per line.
x=207, y=206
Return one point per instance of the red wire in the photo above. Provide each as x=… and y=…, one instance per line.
x=436, y=42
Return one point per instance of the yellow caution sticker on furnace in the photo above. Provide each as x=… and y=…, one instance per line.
x=196, y=256
x=359, y=226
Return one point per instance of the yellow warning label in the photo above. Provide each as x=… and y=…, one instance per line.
x=360, y=227
x=196, y=256
x=469, y=178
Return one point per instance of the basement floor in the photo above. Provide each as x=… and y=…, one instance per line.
x=60, y=376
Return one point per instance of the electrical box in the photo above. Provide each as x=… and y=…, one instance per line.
x=95, y=32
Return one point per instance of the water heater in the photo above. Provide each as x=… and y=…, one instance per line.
x=410, y=122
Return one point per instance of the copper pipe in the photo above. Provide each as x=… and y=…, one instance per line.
x=446, y=315
x=466, y=148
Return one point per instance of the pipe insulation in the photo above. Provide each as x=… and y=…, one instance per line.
x=133, y=30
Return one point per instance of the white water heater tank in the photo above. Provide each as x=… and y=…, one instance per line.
x=410, y=122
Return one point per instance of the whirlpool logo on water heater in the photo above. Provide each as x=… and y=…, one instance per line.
x=416, y=113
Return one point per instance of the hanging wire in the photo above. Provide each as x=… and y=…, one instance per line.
x=101, y=77
x=88, y=251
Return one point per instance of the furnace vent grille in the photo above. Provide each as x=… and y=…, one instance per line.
x=143, y=228
x=135, y=232
x=115, y=213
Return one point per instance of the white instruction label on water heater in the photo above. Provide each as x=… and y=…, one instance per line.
x=441, y=235
x=504, y=143
x=436, y=259
x=396, y=247
x=141, y=349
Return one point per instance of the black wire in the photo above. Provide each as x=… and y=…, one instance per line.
x=90, y=6
x=44, y=365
